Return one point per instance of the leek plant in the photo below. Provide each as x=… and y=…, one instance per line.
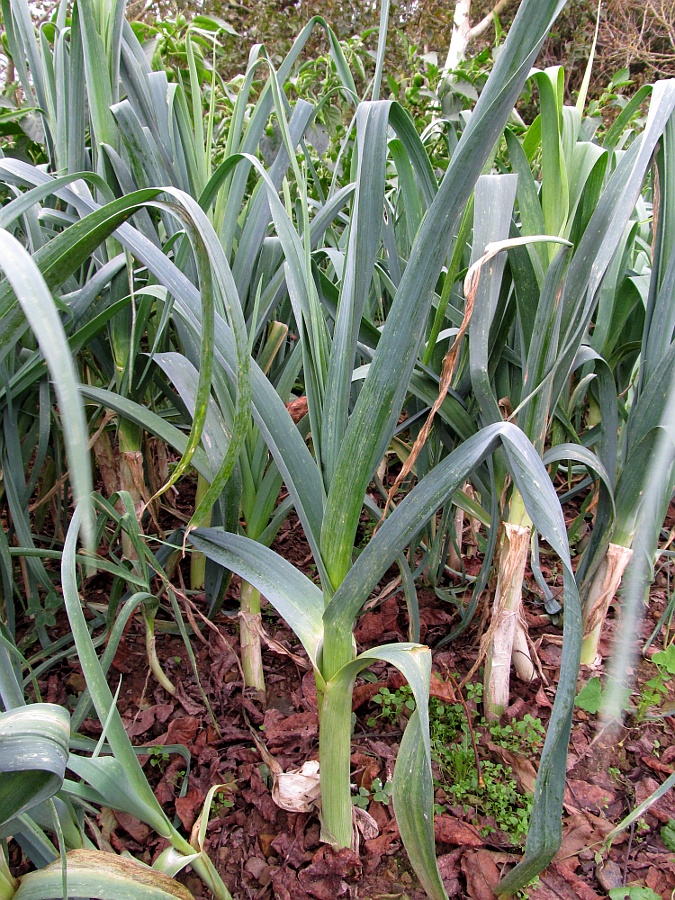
x=71, y=262
x=35, y=741
x=73, y=95
x=28, y=801
x=553, y=301
x=39, y=796
x=140, y=227
x=147, y=132
x=635, y=329
x=349, y=439
x=78, y=268
x=252, y=494
x=138, y=118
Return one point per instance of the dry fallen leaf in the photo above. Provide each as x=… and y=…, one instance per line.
x=448, y=866
x=609, y=875
x=451, y=831
x=297, y=408
x=377, y=847
x=587, y=796
x=296, y=733
x=363, y=693
x=442, y=690
x=298, y=790
x=183, y=731
x=522, y=766
x=188, y=807
x=324, y=878
x=138, y=830
x=481, y=873
x=579, y=886
x=373, y=625
x=366, y=824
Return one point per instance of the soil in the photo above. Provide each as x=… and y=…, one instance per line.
x=263, y=852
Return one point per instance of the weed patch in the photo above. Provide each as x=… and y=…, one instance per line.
x=485, y=789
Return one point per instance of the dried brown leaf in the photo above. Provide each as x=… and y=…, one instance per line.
x=189, y=807
x=451, y=831
x=138, y=830
x=522, y=766
x=481, y=873
x=590, y=797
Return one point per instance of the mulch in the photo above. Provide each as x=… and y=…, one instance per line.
x=266, y=853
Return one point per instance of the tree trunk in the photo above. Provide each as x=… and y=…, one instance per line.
x=459, y=39
x=463, y=34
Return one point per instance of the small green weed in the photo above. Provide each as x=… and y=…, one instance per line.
x=362, y=799
x=633, y=892
x=657, y=688
x=177, y=778
x=591, y=697
x=159, y=758
x=474, y=692
x=379, y=792
x=668, y=834
x=524, y=893
x=392, y=705
x=452, y=750
x=221, y=803
x=526, y=734
x=498, y=799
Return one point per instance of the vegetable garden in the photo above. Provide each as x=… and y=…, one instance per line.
x=429, y=354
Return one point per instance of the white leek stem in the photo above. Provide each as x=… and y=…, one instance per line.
x=249, y=637
x=604, y=586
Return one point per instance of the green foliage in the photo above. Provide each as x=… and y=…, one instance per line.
x=668, y=834
x=524, y=893
x=498, y=799
x=524, y=735
x=194, y=250
x=591, y=696
x=655, y=690
x=451, y=749
x=394, y=705
x=222, y=801
x=19, y=131
x=159, y=758
x=380, y=793
x=166, y=42
x=428, y=24
x=664, y=660
x=633, y=892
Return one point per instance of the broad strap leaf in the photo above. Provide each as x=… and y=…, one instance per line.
x=290, y=592
x=33, y=752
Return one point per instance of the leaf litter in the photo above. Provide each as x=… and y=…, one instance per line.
x=265, y=850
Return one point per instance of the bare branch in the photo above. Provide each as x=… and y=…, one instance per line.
x=460, y=35
x=463, y=34
x=644, y=35
x=482, y=26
